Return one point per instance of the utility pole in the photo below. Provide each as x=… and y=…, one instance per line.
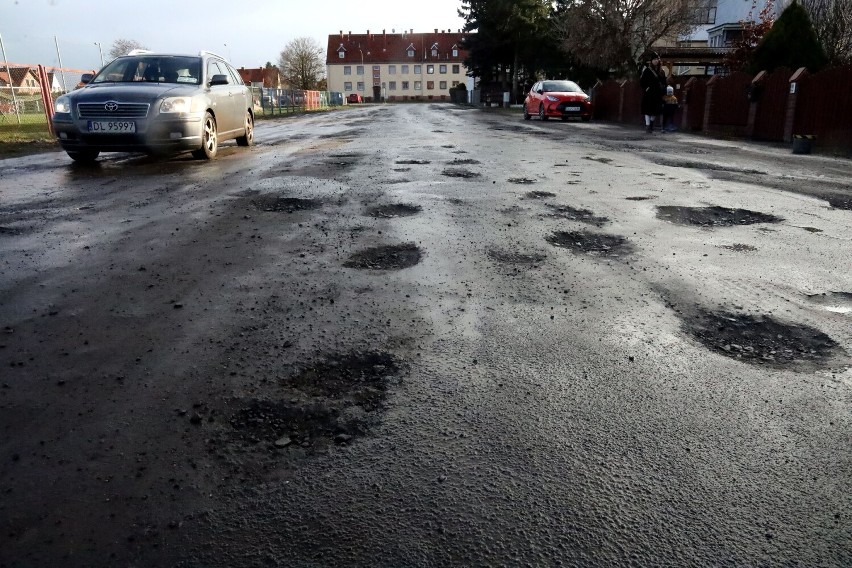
x=11, y=84
x=101, y=51
x=62, y=72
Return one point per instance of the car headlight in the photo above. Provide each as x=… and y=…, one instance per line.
x=552, y=99
x=176, y=105
x=63, y=105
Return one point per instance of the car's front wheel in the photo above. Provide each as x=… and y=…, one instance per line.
x=248, y=139
x=541, y=114
x=209, y=139
x=83, y=156
x=527, y=114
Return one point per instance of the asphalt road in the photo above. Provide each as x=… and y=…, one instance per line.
x=423, y=335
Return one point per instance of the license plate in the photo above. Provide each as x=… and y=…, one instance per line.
x=572, y=109
x=111, y=126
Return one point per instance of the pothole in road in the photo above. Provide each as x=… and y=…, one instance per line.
x=350, y=133
x=812, y=229
x=521, y=181
x=515, y=258
x=412, y=162
x=706, y=166
x=739, y=247
x=460, y=173
x=592, y=243
x=10, y=231
x=836, y=302
x=463, y=162
x=641, y=198
x=598, y=159
x=713, y=216
x=285, y=204
x=841, y=203
x=539, y=195
x=334, y=400
x=394, y=210
x=762, y=339
x=390, y=257
x=582, y=215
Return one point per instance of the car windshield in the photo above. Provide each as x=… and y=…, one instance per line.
x=153, y=69
x=561, y=87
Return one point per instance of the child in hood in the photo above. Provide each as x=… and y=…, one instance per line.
x=669, y=109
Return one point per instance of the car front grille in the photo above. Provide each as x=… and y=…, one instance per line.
x=121, y=110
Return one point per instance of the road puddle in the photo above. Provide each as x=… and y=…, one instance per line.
x=460, y=173
x=539, y=195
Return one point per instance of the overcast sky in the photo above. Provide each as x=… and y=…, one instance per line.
x=248, y=32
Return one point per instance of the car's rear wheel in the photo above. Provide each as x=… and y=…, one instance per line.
x=209, y=139
x=248, y=139
x=83, y=156
x=527, y=114
x=541, y=114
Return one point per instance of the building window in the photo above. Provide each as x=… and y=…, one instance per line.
x=347, y=69
x=418, y=69
x=442, y=69
x=705, y=12
x=456, y=69
x=341, y=54
x=404, y=69
x=455, y=52
x=418, y=85
x=442, y=85
x=434, y=53
x=347, y=86
x=430, y=69
x=391, y=69
x=360, y=85
x=430, y=85
x=411, y=53
x=455, y=83
x=360, y=70
x=405, y=86
x=392, y=85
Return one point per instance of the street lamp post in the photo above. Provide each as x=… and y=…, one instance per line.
x=101, y=52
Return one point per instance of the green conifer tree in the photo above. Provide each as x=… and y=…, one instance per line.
x=792, y=43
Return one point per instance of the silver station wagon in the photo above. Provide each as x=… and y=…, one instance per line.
x=157, y=104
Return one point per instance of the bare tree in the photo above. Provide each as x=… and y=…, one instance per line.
x=614, y=33
x=832, y=20
x=124, y=46
x=301, y=63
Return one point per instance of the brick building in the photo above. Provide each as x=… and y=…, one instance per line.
x=406, y=66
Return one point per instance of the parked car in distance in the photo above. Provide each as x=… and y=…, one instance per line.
x=558, y=99
x=354, y=98
x=156, y=103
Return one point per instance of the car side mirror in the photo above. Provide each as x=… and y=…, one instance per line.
x=86, y=78
x=218, y=80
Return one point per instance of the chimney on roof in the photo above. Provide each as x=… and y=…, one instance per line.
x=341, y=34
x=436, y=30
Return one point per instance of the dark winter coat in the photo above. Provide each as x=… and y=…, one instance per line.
x=653, y=86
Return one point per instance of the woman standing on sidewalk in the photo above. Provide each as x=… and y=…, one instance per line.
x=653, y=83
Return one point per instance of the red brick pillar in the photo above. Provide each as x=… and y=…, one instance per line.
x=754, y=100
x=708, y=101
x=790, y=119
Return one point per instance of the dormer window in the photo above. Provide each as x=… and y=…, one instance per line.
x=435, y=50
x=341, y=51
x=455, y=51
x=410, y=50
x=342, y=54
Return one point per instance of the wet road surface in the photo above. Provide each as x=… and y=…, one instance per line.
x=422, y=335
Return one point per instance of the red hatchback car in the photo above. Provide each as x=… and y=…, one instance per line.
x=559, y=99
x=354, y=98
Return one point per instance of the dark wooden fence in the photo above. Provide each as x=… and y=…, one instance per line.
x=774, y=107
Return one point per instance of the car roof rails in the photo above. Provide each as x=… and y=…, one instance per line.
x=139, y=51
x=203, y=52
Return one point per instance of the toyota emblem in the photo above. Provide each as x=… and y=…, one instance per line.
x=111, y=106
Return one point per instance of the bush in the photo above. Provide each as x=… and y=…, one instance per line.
x=791, y=42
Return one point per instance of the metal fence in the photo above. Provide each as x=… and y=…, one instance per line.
x=268, y=101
